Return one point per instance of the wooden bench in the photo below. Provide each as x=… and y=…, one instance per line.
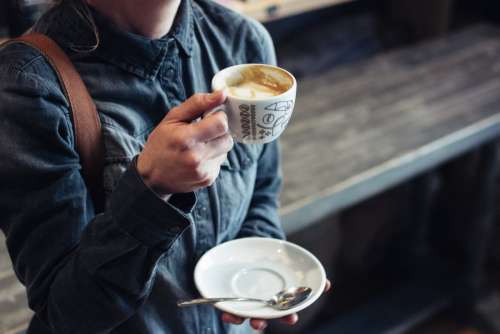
x=359, y=130
x=362, y=129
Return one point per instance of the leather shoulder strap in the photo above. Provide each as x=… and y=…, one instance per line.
x=87, y=127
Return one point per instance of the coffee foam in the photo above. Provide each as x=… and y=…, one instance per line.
x=258, y=82
x=251, y=90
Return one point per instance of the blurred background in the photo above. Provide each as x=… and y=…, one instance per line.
x=390, y=160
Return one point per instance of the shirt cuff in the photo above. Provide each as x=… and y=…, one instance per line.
x=144, y=215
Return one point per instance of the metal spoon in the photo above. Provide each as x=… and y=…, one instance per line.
x=283, y=300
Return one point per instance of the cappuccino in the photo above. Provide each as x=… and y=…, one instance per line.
x=260, y=101
x=258, y=82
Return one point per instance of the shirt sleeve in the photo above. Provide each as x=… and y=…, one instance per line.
x=263, y=217
x=83, y=273
x=259, y=46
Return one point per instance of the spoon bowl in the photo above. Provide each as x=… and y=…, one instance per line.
x=283, y=300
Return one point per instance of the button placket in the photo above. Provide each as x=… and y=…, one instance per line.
x=170, y=72
x=170, y=76
x=203, y=222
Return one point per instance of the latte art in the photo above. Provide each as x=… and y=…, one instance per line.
x=258, y=82
x=252, y=90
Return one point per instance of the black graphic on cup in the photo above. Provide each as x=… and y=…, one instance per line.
x=247, y=119
x=280, y=106
x=276, y=120
x=268, y=118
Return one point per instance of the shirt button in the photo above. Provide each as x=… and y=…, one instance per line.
x=170, y=72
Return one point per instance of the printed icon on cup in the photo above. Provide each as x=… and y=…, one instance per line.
x=276, y=119
x=244, y=107
x=268, y=118
x=280, y=106
x=247, y=113
x=260, y=101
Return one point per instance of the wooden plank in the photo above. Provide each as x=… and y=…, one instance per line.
x=269, y=10
x=14, y=310
x=361, y=129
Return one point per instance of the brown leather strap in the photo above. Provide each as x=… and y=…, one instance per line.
x=87, y=127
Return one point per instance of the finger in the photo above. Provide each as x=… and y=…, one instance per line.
x=212, y=171
x=232, y=319
x=195, y=106
x=290, y=319
x=328, y=285
x=218, y=147
x=210, y=127
x=258, y=324
x=220, y=159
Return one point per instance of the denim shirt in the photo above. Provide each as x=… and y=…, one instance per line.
x=123, y=270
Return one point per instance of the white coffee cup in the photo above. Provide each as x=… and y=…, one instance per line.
x=259, y=118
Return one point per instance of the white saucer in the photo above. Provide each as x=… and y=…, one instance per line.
x=258, y=268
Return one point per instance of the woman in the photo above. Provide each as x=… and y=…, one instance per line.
x=174, y=188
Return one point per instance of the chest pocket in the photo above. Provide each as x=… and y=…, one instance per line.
x=235, y=186
x=120, y=149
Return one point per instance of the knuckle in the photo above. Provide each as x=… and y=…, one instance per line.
x=174, y=110
x=182, y=142
x=205, y=183
x=193, y=160
x=229, y=142
x=221, y=124
x=209, y=181
x=163, y=130
x=211, y=177
x=199, y=99
x=171, y=113
x=201, y=175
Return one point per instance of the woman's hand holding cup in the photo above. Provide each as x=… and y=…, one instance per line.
x=181, y=155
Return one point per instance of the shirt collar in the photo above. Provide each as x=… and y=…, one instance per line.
x=183, y=27
x=134, y=53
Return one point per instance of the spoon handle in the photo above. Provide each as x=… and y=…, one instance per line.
x=198, y=301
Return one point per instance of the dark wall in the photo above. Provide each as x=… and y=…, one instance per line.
x=481, y=9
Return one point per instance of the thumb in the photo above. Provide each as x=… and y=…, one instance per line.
x=196, y=106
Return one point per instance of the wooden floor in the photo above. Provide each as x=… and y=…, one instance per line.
x=14, y=313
